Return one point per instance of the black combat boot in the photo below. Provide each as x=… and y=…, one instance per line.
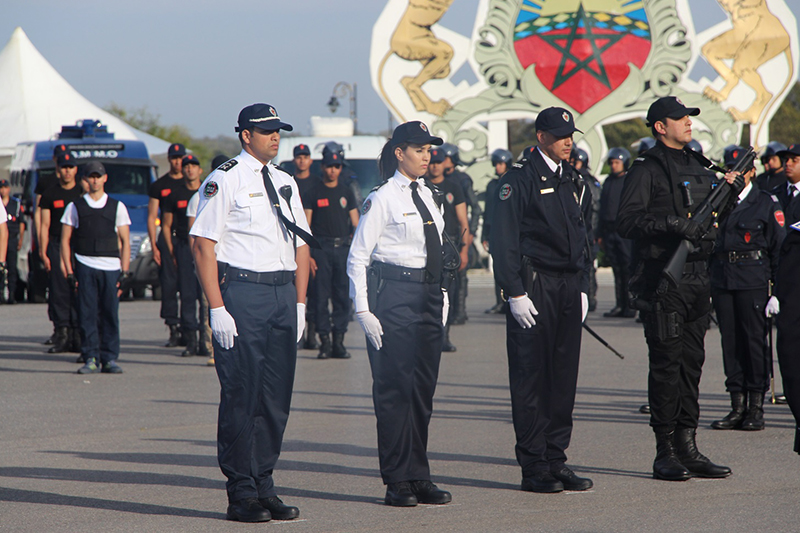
x=311, y=337
x=325, y=348
x=447, y=346
x=698, y=464
x=754, y=419
x=733, y=420
x=75, y=340
x=339, y=351
x=666, y=465
x=61, y=341
x=174, y=336
x=191, y=344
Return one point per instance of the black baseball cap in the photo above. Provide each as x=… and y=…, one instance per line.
x=59, y=149
x=669, y=107
x=414, y=132
x=331, y=158
x=794, y=149
x=261, y=116
x=176, y=150
x=190, y=159
x=4, y=183
x=438, y=155
x=65, y=159
x=556, y=121
x=301, y=149
x=94, y=167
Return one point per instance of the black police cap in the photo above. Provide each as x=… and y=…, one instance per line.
x=4, y=183
x=414, y=132
x=331, y=158
x=438, y=155
x=176, y=150
x=301, y=149
x=94, y=167
x=262, y=116
x=190, y=159
x=556, y=121
x=669, y=107
x=59, y=149
x=66, y=159
x=793, y=150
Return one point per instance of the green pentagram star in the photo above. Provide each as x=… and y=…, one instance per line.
x=599, y=72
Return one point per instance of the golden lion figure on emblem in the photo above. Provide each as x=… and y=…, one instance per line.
x=756, y=37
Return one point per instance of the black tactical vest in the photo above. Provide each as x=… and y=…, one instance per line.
x=96, y=234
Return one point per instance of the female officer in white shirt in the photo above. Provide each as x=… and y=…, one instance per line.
x=395, y=269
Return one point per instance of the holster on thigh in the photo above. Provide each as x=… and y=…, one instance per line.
x=661, y=325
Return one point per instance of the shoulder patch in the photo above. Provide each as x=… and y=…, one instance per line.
x=367, y=204
x=211, y=189
x=227, y=165
x=505, y=191
x=779, y=218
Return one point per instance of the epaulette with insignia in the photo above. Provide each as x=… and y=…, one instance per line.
x=774, y=198
x=227, y=165
x=517, y=165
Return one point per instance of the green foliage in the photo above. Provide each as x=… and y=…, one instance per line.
x=521, y=134
x=624, y=134
x=785, y=125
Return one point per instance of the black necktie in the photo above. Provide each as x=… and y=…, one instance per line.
x=433, y=246
x=291, y=226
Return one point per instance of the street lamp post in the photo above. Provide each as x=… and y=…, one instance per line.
x=340, y=90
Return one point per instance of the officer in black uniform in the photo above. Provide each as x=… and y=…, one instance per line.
x=787, y=289
x=175, y=227
x=743, y=269
x=61, y=300
x=540, y=237
x=773, y=175
x=618, y=250
x=160, y=192
x=332, y=214
x=348, y=177
x=16, y=230
x=450, y=197
x=302, y=169
x=579, y=160
x=501, y=160
x=250, y=246
x=462, y=178
x=662, y=188
x=3, y=243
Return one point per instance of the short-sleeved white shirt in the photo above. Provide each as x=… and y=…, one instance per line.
x=3, y=214
x=235, y=212
x=70, y=218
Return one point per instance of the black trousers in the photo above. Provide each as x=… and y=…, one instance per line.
x=543, y=372
x=404, y=375
x=168, y=278
x=742, y=328
x=98, y=308
x=675, y=337
x=788, y=322
x=256, y=377
x=62, y=301
x=618, y=252
x=188, y=285
x=11, y=265
x=331, y=284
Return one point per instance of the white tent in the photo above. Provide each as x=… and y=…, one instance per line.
x=36, y=101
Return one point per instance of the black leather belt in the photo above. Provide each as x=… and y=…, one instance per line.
x=280, y=277
x=554, y=272
x=335, y=241
x=735, y=257
x=401, y=273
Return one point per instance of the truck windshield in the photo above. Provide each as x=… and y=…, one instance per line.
x=127, y=179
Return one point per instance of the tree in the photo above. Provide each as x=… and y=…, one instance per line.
x=785, y=125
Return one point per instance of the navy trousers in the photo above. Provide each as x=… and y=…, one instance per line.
x=256, y=377
x=188, y=285
x=168, y=278
x=331, y=284
x=98, y=303
x=62, y=303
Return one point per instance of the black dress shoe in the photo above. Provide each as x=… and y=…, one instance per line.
x=248, y=510
x=617, y=311
x=400, y=495
x=542, y=481
x=645, y=409
x=571, y=481
x=427, y=492
x=278, y=509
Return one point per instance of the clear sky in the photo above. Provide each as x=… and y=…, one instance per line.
x=197, y=63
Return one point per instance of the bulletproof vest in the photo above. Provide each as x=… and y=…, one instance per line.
x=96, y=234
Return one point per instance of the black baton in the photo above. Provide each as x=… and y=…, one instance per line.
x=602, y=340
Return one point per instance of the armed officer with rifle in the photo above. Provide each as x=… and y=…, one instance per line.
x=666, y=193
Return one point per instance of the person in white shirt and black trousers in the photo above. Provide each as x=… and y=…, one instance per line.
x=395, y=269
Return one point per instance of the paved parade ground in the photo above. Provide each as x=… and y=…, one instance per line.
x=137, y=451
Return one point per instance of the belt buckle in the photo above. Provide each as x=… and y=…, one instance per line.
x=405, y=273
x=731, y=257
x=242, y=275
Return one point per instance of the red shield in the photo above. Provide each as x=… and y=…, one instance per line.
x=747, y=236
x=582, y=56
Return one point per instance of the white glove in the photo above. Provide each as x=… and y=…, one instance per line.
x=584, y=306
x=372, y=328
x=445, y=308
x=301, y=320
x=223, y=326
x=523, y=310
x=773, y=307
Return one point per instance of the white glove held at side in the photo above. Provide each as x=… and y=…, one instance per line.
x=523, y=310
x=445, y=308
x=372, y=328
x=301, y=320
x=584, y=306
x=223, y=327
x=773, y=307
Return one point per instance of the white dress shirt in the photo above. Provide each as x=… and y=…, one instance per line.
x=390, y=230
x=235, y=212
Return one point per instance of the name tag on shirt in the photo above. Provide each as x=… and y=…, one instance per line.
x=546, y=191
x=409, y=214
x=323, y=202
x=256, y=194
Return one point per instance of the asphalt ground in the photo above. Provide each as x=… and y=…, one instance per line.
x=137, y=451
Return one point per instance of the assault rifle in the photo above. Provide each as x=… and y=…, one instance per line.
x=706, y=213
